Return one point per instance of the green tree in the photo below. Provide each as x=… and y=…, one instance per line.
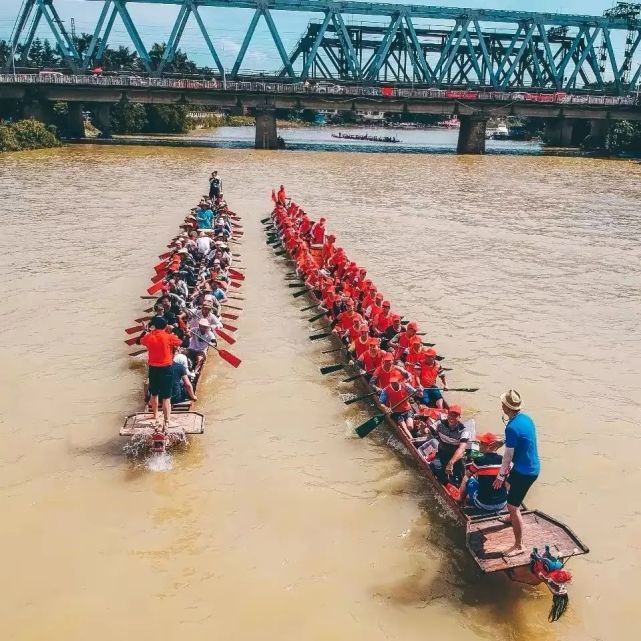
x=128, y=117
x=5, y=54
x=170, y=119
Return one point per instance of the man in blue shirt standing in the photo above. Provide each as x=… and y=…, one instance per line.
x=521, y=452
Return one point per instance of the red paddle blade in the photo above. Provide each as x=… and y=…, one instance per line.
x=225, y=336
x=134, y=330
x=234, y=361
x=142, y=319
x=158, y=277
x=155, y=288
x=132, y=341
x=231, y=328
x=160, y=266
x=236, y=274
x=165, y=255
x=233, y=283
x=226, y=315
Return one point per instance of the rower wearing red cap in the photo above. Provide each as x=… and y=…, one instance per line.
x=384, y=372
x=372, y=358
x=402, y=341
x=427, y=372
x=382, y=320
x=318, y=232
x=396, y=396
x=281, y=196
x=361, y=344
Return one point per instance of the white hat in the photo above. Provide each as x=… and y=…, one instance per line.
x=203, y=322
x=184, y=250
x=512, y=400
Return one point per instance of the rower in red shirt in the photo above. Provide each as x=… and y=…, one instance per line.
x=318, y=232
x=427, y=373
x=384, y=373
x=281, y=196
x=402, y=341
x=375, y=308
x=345, y=319
x=328, y=248
x=354, y=331
x=305, y=226
x=396, y=396
x=361, y=344
x=383, y=320
x=372, y=358
x=415, y=354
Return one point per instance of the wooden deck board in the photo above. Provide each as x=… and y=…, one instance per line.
x=487, y=539
x=187, y=422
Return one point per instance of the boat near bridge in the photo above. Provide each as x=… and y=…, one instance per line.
x=366, y=137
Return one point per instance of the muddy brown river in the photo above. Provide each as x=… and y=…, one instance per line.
x=278, y=524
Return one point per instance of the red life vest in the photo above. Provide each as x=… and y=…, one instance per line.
x=427, y=374
x=318, y=234
x=360, y=347
x=398, y=399
x=383, y=377
x=370, y=363
x=382, y=322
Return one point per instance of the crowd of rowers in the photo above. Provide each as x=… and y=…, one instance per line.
x=402, y=369
x=192, y=284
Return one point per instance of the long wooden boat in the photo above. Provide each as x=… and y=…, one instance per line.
x=186, y=420
x=487, y=535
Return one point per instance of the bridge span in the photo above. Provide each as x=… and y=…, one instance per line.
x=37, y=93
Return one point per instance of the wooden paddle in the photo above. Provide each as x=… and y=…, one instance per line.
x=135, y=330
x=155, y=288
x=332, y=368
x=143, y=319
x=133, y=341
x=369, y=426
x=315, y=337
x=264, y=220
x=306, y=309
x=240, y=309
x=300, y=293
x=360, y=398
x=226, y=337
x=138, y=352
x=331, y=351
x=229, y=316
x=234, y=361
x=231, y=328
x=318, y=316
x=236, y=274
x=166, y=255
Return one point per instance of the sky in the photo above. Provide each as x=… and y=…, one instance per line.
x=227, y=27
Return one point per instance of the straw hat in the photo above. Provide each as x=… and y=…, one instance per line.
x=512, y=400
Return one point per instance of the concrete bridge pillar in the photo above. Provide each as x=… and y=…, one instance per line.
x=598, y=136
x=471, y=136
x=75, y=120
x=558, y=132
x=41, y=110
x=266, y=134
x=102, y=118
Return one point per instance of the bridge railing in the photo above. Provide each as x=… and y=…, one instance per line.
x=380, y=93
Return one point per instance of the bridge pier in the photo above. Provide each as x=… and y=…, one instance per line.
x=471, y=136
x=102, y=118
x=75, y=120
x=41, y=110
x=558, y=132
x=266, y=134
x=597, y=139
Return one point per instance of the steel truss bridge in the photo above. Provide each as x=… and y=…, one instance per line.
x=438, y=47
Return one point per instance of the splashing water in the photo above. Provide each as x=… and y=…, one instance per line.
x=159, y=462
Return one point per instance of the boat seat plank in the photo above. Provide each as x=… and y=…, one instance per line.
x=140, y=423
x=488, y=538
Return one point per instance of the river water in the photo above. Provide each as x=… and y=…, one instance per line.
x=277, y=523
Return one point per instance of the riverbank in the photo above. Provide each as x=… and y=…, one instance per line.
x=26, y=134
